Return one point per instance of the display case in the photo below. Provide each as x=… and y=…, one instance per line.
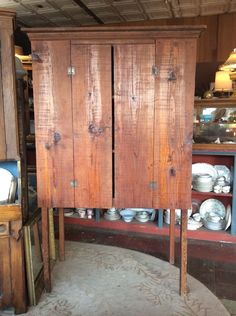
x=215, y=122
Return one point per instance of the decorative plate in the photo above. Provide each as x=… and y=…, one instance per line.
x=6, y=183
x=223, y=171
x=212, y=206
x=204, y=168
x=228, y=217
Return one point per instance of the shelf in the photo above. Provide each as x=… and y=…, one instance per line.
x=10, y=212
x=216, y=102
x=212, y=194
x=150, y=228
x=226, y=148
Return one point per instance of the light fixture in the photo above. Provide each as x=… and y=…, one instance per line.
x=223, y=83
x=230, y=65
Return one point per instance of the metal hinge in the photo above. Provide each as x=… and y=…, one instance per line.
x=71, y=71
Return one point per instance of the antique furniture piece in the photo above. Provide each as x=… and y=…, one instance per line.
x=214, y=134
x=12, y=275
x=113, y=111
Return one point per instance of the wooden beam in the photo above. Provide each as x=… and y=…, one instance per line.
x=10, y=212
x=172, y=237
x=88, y=11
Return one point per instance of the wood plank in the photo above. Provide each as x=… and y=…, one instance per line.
x=45, y=248
x=183, y=253
x=61, y=235
x=17, y=269
x=8, y=88
x=92, y=124
x=3, y=145
x=10, y=212
x=173, y=123
x=114, y=32
x=172, y=237
x=134, y=111
x=226, y=43
x=5, y=272
x=53, y=124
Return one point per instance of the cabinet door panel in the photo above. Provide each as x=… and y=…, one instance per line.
x=173, y=123
x=134, y=113
x=53, y=123
x=92, y=124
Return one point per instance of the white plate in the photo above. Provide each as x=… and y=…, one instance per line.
x=6, y=182
x=212, y=205
x=228, y=217
x=204, y=168
x=223, y=171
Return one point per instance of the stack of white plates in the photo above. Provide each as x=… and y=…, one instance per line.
x=112, y=214
x=214, y=225
x=203, y=183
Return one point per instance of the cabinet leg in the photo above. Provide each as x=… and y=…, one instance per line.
x=172, y=237
x=61, y=235
x=45, y=246
x=183, y=253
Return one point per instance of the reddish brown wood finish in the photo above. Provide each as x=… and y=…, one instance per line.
x=173, y=123
x=92, y=125
x=134, y=112
x=172, y=237
x=153, y=107
x=8, y=107
x=17, y=268
x=45, y=248
x=53, y=122
x=61, y=235
x=5, y=270
x=183, y=253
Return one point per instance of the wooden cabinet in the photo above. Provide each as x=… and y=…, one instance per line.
x=12, y=277
x=113, y=118
x=117, y=132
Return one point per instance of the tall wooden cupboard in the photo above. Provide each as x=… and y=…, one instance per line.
x=113, y=111
x=12, y=273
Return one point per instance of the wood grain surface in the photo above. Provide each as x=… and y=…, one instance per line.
x=18, y=269
x=134, y=112
x=173, y=123
x=5, y=270
x=53, y=124
x=8, y=88
x=3, y=149
x=92, y=125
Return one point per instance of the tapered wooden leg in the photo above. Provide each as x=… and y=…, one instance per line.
x=183, y=253
x=45, y=246
x=61, y=235
x=51, y=235
x=172, y=237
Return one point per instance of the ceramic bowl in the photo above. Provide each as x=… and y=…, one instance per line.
x=127, y=215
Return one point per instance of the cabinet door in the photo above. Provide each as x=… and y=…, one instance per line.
x=134, y=118
x=174, y=96
x=53, y=124
x=92, y=125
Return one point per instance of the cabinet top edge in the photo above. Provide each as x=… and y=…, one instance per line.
x=7, y=12
x=187, y=30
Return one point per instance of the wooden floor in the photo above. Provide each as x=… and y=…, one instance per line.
x=211, y=262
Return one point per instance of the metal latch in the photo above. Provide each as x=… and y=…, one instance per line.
x=71, y=71
x=152, y=185
x=73, y=183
